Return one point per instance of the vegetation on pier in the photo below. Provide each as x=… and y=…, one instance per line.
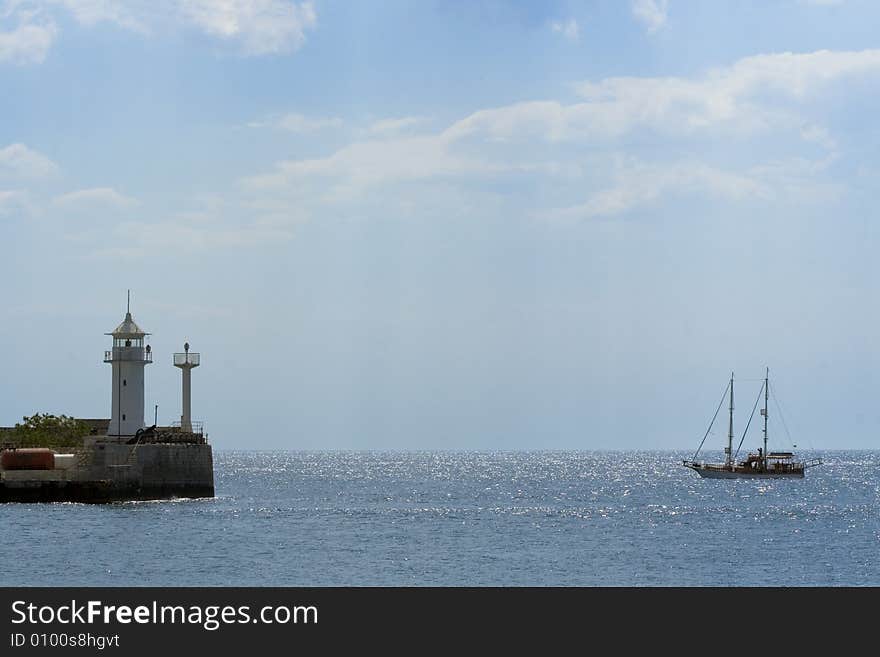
x=46, y=430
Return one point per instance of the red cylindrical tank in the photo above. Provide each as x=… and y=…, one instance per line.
x=31, y=458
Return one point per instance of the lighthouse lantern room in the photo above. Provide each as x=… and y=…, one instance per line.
x=128, y=357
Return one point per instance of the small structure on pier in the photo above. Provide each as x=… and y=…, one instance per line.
x=186, y=362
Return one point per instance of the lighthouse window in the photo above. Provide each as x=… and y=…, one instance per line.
x=124, y=382
x=123, y=416
x=128, y=342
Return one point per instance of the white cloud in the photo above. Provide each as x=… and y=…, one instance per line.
x=204, y=223
x=27, y=44
x=638, y=185
x=726, y=94
x=95, y=196
x=564, y=147
x=651, y=13
x=544, y=119
x=730, y=97
x=818, y=135
x=569, y=29
x=141, y=239
x=299, y=123
x=259, y=26
x=373, y=162
x=19, y=161
x=255, y=27
x=798, y=179
x=12, y=201
x=132, y=16
x=393, y=127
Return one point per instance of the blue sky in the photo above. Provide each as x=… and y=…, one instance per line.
x=430, y=225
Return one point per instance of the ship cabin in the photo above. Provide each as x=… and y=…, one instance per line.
x=772, y=462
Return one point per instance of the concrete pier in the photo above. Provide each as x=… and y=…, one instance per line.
x=108, y=472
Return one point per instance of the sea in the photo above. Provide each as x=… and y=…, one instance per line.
x=537, y=518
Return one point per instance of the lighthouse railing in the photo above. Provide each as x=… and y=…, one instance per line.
x=118, y=354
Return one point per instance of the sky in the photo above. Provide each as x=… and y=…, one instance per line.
x=488, y=225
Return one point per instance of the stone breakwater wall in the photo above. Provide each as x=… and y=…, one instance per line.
x=110, y=472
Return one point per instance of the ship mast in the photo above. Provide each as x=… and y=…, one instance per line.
x=764, y=412
x=728, y=451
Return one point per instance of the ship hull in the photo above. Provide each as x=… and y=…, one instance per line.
x=727, y=474
x=722, y=472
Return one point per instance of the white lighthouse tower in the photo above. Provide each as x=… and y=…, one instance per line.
x=128, y=358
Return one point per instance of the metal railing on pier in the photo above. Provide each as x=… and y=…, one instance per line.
x=197, y=426
x=188, y=357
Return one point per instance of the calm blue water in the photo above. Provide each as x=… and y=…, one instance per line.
x=445, y=518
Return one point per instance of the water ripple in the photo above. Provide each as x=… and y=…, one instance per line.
x=465, y=518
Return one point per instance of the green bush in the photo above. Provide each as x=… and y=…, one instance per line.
x=45, y=430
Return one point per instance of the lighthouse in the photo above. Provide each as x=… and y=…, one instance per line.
x=128, y=358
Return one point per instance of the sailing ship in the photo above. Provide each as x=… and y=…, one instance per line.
x=759, y=465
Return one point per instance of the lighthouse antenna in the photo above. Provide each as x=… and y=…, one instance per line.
x=128, y=302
